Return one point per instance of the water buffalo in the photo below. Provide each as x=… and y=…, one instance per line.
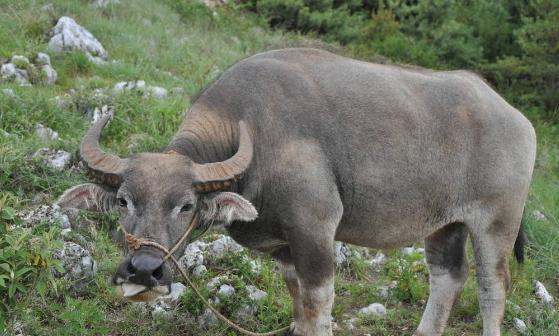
x=294, y=149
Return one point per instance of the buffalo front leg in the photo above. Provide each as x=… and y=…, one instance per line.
x=313, y=306
x=448, y=271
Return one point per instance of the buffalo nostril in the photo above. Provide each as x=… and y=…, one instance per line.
x=158, y=273
x=131, y=269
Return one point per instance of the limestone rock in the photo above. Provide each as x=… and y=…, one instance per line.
x=375, y=309
x=342, y=254
x=44, y=133
x=542, y=294
x=224, y=245
x=49, y=213
x=69, y=36
x=519, y=325
x=78, y=265
x=207, y=319
x=57, y=159
x=256, y=294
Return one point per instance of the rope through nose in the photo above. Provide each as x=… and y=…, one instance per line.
x=135, y=243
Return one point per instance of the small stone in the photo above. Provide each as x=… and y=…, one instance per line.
x=8, y=92
x=77, y=263
x=538, y=215
x=375, y=309
x=21, y=62
x=519, y=325
x=383, y=292
x=255, y=267
x=542, y=294
x=193, y=255
x=57, y=159
x=245, y=312
x=49, y=74
x=225, y=291
x=7, y=71
x=342, y=254
x=49, y=213
x=223, y=245
x=177, y=289
x=42, y=59
x=378, y=260
x=156, y=92
x=213, y=283
x=255, y=294
x=199, y=271
x=408, y=250
x=48, y=8
x=350, y=324
x=44, y=133
x=207, y=319
x=177, y=91
x=105, y=3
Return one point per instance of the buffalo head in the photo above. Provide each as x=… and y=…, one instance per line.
x=156, y=195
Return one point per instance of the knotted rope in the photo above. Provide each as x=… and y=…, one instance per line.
x=135, y=243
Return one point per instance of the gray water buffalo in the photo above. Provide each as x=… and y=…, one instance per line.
x=294, y=149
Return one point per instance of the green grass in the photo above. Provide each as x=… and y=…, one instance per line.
x=182, y=44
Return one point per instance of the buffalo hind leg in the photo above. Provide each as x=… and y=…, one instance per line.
x=448, y=270
x=287, y=269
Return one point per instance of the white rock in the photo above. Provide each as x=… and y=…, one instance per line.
x=8, y=92
x=519, y=325
x=49, y=213
x=207, y=319
x=378, y=260
x=213, y=283
x=375, y=309
x=67, y=36
x=538, y=215
x=199, y=270
x=77, y=263
x=177, y=289
x=224, y=245
x=57, y=159
x=8, y=71
x=225, y=291
x=44, y=133
x=19, y=61
x=245, y=312
x=542, y=293
x=342, y=254
x=105, y=3
x=156, y=92
x=49, y=74
x=255, y=294
x=42, y=59
x=177, y=91
x=193, y=256
x=383, y=292
x=255, y=267
x=350, y=324
x=408, y=250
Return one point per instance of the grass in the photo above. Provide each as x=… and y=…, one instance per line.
x=182, y=44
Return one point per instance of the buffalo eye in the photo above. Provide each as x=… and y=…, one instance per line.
x=122, y=203
x=186, y=207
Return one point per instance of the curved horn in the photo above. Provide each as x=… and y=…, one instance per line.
x=215, y=176
x=106, y=167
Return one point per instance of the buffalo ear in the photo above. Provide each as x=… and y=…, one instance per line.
x=88, y=196
x=226, y=207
